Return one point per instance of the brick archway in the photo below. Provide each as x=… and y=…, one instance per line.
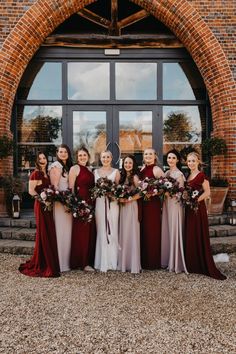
x=180, y=16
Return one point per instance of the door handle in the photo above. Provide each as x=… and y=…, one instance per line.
x=118, y=146
x=107, y=145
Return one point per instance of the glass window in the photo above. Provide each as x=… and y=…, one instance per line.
x=27, y=155
x=39, y=124
x=136, y=81
x=89, y=129
x=89, y=81
x=181, y=81
x=41, y=81
x=182, y=127
x=135, y=133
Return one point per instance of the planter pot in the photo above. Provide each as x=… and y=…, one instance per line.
x=215, y=204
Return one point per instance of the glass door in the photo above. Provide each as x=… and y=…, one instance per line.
x=121, y=129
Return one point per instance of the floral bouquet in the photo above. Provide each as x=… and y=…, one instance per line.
x=148, y=188
x=46, y=197
x=104, y=187
x=168, y=184
x=125, y=191
x=189, y=197
x=79, y=208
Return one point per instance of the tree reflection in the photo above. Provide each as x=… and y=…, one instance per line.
x=44, y=129
x=178, y=127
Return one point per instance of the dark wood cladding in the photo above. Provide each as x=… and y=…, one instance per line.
x=104, y=41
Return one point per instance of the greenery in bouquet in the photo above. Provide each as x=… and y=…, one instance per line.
x=104, y=187
x=80, y=209
x=189, y=197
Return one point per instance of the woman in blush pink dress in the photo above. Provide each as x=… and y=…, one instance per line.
x=44, y=262
x=151, y=216
x=59, y=173
x=81, y=180
x=198, y=250
x=172, y=249
x=129, y=226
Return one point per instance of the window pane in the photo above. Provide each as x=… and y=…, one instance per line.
x=27, y=155
x=182, y=127
x=136, y=81
x=182, y=81
x=39, y=124
x=41, y=81
x=135, y=133
x=88, y=81
x=89, y=129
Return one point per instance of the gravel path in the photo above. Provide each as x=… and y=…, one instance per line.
x=152, y=312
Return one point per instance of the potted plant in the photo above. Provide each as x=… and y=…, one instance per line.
x=6, y=149
x=219, y=185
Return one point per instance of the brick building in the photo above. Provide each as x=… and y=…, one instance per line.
x=119, y=74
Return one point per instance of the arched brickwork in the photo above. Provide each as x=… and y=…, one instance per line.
x=179, y=15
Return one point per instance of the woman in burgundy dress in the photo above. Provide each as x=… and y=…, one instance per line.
x=151, y=216
x=44, y=262
x=198, y=255
x=83, y=241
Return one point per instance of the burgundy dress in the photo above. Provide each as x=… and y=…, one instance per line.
x=83, y=234
x=44, y=262
x=198, y=255
x=150, y=228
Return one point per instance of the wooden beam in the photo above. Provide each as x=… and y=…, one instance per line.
x=91, y=16
x=137, y=16
x=103, y=41
x=113, y=29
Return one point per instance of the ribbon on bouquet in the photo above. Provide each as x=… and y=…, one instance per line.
x=107, y=224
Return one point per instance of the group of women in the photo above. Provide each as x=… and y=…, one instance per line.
x=128, y=236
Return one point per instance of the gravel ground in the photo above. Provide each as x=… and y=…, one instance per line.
x=152, y=312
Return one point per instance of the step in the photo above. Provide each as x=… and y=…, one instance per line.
x=16, y=247
x=222, y=230
x=15, y=233
x=23, y=222
x=218, y=245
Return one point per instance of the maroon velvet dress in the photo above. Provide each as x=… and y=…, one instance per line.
x=198, y=255
x=150, y=227
x=44, y=262
x=83, y=240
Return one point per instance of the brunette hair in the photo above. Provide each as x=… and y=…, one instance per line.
x=37, y=164
x=135, y=170
x=177, y=154
x=83, y=148
x=65, y=167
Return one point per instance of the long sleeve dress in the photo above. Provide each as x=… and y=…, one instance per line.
x=150, y=227
x=83, y=233
x=44, y=262
x=172, y=248
x=198, y=250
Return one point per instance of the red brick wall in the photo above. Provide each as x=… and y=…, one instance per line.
x=206, y=28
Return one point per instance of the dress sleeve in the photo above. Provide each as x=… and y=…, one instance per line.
x=55, y=164
x=35, y=176
x=202, y=177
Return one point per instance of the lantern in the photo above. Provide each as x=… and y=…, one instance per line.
x=16, y=206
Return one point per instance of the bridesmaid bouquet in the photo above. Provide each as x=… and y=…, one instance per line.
x=125, y=191
x=46, y=198
x=189, y=197
x=104, y=187
x=148, y=188
x=168, y=184
x=79, y=208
